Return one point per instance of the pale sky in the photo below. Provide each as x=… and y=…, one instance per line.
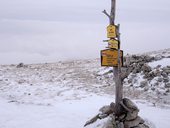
x=39, y=31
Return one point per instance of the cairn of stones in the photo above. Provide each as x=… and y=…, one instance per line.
x=128, y=118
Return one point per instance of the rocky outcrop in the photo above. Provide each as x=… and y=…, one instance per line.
x=139, y=74
x=134, y=64
x=133, y=123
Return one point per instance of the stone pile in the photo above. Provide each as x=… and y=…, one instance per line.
x=137, y=64
x=128, y=118
x=138, y=74
x=134, y=64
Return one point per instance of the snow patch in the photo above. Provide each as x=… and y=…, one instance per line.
x=163, y=62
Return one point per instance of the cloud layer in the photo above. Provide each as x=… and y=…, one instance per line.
x=48, y=31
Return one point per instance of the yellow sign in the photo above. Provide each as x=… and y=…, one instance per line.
x=109, y=57
x=111, y=31
x=113, y=44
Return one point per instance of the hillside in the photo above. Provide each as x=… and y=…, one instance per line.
x=81, y=85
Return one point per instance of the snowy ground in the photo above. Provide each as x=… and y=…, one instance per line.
x=61, y=95
x=61, y=112
x=164, y=62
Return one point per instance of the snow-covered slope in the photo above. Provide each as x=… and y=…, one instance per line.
x=67, y=94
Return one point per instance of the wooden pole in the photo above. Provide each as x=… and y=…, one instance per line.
x=113, y=12
x=117, y=70
x=118, y=81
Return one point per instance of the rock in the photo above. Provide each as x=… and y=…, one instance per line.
x=20, y=65
x=143, y=84
x=133, y=76
x=164, y=74
x=166, y=70
x=157, y=72
x=155, y=84
x=133, y=123
x=112, y=107
x=21, y=81
x=120, y=125
x=150, y=75
x=153, y=88
x=158, y=57
x=160, y=79
x=136, y=70
x=141, y=63
x=165, y=94
x=131, y=85
x=108, y=125
x=167, y=90
x=158, y=66
x=122, y=117
x=141, y=126
x=134, y=59
x=166, y=80
x=111, y=123
x=145, y=76
x=129, y=70
x=146, y=68
x=127, y=60
x=167, y=85
x=149, y=58
x=158, y=92
x=124, y=73
x=128, y=103
x=130, y=81
x=146, y=89
x=132, y=115
x=105, y=109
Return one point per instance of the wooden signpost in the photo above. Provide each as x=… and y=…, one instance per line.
x=111, y=31
x=113, y=57
x=113, y=44
x=109, y=58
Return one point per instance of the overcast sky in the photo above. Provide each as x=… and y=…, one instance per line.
x=39, y=31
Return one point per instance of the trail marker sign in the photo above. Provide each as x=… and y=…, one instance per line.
x=113, y=44
x=111, y=31
x=109, y=57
